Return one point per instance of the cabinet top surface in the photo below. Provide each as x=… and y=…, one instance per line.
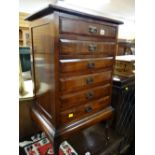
x=121, y=81
x=51, y=8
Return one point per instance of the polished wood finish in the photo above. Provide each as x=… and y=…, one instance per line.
x=72, y=70
x=51, y=8
x=43, y=66
x=82, y=65
x=84, y=28
x=83, y=111
x=82, y=97
x=76, y=47
x=74, y=83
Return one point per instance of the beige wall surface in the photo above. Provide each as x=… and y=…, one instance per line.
x=22, y=22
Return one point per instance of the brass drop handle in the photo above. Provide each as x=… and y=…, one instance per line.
x=91, y=65
x=88, y=109
x=89, y=80
x=89, y=95
x=92, y=29
x=92, y=47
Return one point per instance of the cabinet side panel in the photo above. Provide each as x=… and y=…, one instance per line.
x=44, y=68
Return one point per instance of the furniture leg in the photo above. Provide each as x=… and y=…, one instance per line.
x=107, y=132
x=56, y=145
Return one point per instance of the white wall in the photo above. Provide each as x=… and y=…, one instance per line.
x=127, y=30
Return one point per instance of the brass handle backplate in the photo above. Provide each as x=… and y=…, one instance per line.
x=92, y=29
x=92, y=47
x=88, y=109
x=91, y=65
x=89, y=80
x=89, y=95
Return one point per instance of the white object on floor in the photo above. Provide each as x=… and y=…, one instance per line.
x=65, y=147
x=24, y=143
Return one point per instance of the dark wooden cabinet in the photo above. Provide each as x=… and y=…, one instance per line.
x=123, y=101
x=73, y=57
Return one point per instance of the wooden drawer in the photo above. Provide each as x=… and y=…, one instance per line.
x=81, y=97
x=75, y=83
x=80, y=27
x=79, y=65
x=85, y=110
x=74, y=47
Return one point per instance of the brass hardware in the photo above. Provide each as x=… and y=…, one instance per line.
x=89, y=80
x=89, y=95
x=88, y=109
x=91, y=65
x=92, y=29
x=92, y=47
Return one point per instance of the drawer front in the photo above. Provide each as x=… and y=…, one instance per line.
x=80, y=27
x=85, y=110
x=79, y=65
x=75, y=83
x=81, y=97
x=72, y=47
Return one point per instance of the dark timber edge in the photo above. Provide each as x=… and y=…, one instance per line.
x=51, y=8
x=66, y=130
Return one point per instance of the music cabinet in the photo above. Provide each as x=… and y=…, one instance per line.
x=73, y=57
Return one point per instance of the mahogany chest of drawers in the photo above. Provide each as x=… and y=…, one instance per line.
x=73, y=57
